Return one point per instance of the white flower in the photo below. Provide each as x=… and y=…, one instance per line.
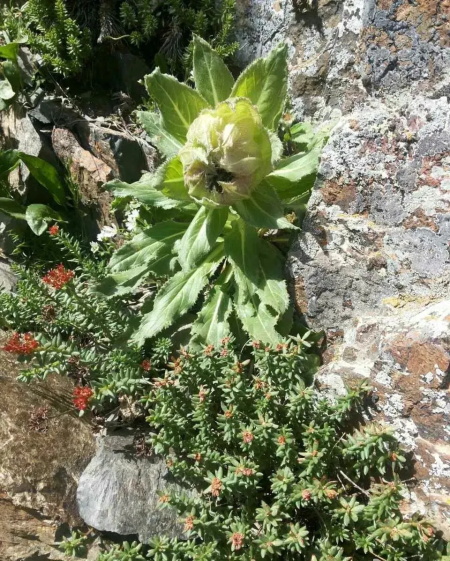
x=107, y=232
x=131, y=219
x=94, y=247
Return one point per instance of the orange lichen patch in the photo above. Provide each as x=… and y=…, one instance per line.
x=419, y=358
x=339, y=192
x=419, y=219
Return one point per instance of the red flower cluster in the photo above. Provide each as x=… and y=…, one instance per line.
x=53, y=230
x=58, y=277
x=81, y=396
x=21, y=344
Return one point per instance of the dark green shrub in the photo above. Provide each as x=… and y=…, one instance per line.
x=64, y=33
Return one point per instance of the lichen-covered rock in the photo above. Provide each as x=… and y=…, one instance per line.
x=372, y=266
x=407, y=359
x=118, y=491
x=372, y=269
x=44, y=449
x=342, y=51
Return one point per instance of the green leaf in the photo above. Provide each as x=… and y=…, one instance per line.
x=12, y=73
x=211, y=325
x=256, y=318
x=261, y=295
x=147, y=247
x=165, y=142
x=47, y=176
x=173, y=181
x=242, y=248
x=38, y=217
x=122, y=283
x=290, y=171
x=272, y=285
x=212, y=78
x=263, y=209
x=177, y=296
x=9, y=159
x=179, y=104
x=12, y=208
x=146, y=190
x=6, y=90
x=9, y=51
x=264, y=82
x=200, y=237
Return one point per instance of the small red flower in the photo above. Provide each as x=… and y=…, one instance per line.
x=53, y=230
x=22, y=344
x=281, y=440
x=306, y=495
x=81, y=397
x=58, y=277
x=146, y=365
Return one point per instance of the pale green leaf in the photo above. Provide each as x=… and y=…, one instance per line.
x=264, y=82
x=12, y=208
x=178, y=103
x=46, y=175
x=9, y=51
x=242, y=248
x=147, y=247
x=291, y=171
x=38, y=216
x=212, y=78
x=165, y=142
x=201, y=236
x=272, y=289
x=263, y=209
x=121, y=283
x=256, y=318
x=146, y=190
x=6, y=90
x=211, y=325
x=177, y=296
x=173, y=181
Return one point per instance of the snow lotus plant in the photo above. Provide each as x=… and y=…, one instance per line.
x=224, y=184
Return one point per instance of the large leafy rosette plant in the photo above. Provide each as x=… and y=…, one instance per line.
x=223, y=189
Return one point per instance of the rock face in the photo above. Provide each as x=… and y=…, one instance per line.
x=44, y=449
x=372, y=266
x=118, y=491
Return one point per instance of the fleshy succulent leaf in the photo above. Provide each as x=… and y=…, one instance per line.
x=264, y=82
x=212, y=78
x=178, y=103
x=200, y=237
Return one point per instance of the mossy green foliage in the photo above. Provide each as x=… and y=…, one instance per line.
x=65, y=33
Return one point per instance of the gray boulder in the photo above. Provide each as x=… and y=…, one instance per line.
x=118, y=492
